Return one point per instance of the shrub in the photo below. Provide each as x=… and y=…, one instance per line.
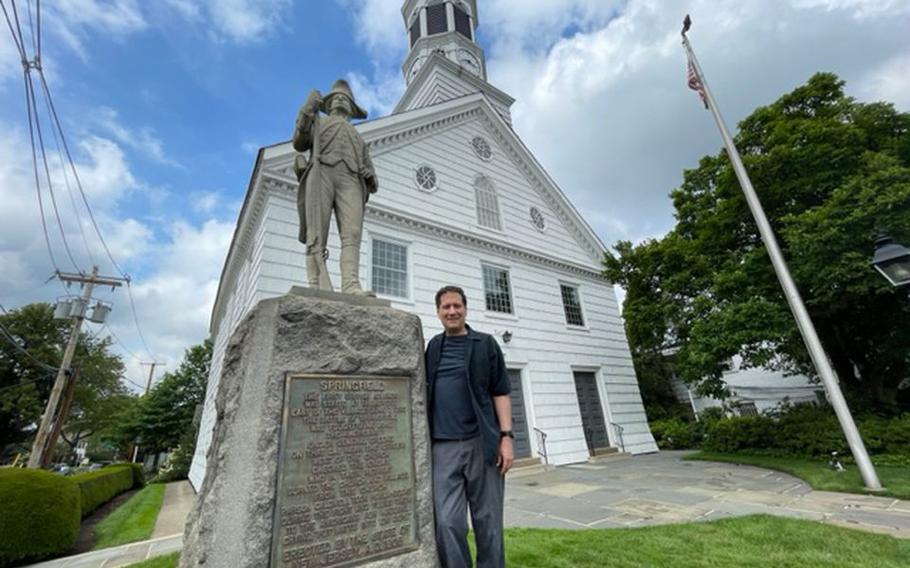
x=809, y=431
x=39, y=514
x=135, y=468
x=887, y=435
x=674, y=434
x=99, y=487
x=739, y=434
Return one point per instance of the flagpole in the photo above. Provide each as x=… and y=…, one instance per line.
x=806, y=328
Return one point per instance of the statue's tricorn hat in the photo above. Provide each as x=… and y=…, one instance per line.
x=341, y=87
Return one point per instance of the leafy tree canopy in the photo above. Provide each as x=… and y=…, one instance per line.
x=831, y=173
x=160, y=420
x=26, y=382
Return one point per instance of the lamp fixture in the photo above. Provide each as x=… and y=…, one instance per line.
x=892, y=260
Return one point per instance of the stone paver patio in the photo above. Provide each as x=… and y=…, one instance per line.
x=652, y=489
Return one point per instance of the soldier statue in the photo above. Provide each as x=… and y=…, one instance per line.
x=337, y=176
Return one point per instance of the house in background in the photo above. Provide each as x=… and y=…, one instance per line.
x=753, y=391
x=461, y=201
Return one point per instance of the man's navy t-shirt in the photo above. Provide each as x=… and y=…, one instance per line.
x=453, y=413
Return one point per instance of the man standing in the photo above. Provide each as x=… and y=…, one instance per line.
x=470, y=417
x=338, y=176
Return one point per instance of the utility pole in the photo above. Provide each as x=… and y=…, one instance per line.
x=70, y=389
x=152, y=365
x=44, y=439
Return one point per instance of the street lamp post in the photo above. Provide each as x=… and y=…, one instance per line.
x=892, y=260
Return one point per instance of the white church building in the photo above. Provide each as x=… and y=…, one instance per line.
x=461, y=201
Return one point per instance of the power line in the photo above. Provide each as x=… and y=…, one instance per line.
x=21, y=383
x=33, y=108
x=66, y=181
x=9, y=337
x=121, y=344
x=132, y=382
x=69, y=157
x=129, y=292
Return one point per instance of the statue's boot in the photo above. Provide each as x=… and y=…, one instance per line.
x=350, y=271
x=317, y=273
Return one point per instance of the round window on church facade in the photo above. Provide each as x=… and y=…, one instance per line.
x=481, y=148
x=425, y=177
x=537, y=219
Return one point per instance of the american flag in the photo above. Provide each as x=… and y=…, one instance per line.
x=695, y=83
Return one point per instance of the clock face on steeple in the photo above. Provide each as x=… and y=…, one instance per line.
x=415, y=67
x=468, y=60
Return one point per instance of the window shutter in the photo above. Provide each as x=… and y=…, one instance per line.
x=462, y=22
x=415, y=31
x=436, y=19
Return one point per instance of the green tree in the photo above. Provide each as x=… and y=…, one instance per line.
x=831, y=173
x=26, y=379
x=159, y=421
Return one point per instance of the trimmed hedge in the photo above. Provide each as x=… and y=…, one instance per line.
x=803, y=431
x=99, y=487
x=807, y=431
x=39, y=514
x=138, y=474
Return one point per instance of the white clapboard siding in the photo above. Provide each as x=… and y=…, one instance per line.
x=446, y=246
x=441, y=80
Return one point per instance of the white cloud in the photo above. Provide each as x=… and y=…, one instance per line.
x=143, y=141
x=379, y=94
x=204, y=201
x=106, y=177
x=379, y=27
x=246, y=21
x=175, y=301
x=890, y=82
x=602, y=98
x=74, y=21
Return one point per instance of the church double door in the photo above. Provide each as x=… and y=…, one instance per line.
x=522, y=445
x=592, y=415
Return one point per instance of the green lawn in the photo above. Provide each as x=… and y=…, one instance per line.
x=757, y=540
x=132, y=521
x=169, y=561
x=895, y=479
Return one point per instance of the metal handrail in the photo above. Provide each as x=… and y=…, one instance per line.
x=541, y=444
x=619, y=430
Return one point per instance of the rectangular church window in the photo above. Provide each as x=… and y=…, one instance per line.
x=571, y=305
x=390, y=269
x=496, y=289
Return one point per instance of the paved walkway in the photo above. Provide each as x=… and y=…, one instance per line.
x=178, y=500
x=167, y=536
x=661, y=488
x=613, y=492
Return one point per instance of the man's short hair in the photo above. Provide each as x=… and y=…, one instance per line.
x=451, y=289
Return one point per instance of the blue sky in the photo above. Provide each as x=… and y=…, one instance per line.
x=165, y=104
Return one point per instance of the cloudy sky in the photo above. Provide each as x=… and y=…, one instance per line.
x=164, y=105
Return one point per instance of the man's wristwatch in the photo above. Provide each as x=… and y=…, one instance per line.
x=506, y=434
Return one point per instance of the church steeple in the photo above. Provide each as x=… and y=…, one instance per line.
x=445, y=61
x=445, y=27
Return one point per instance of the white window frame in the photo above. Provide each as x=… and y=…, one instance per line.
x=581, y=306
x=373, y=236
x=513, y=315
x=496, y=199
x=435, y=176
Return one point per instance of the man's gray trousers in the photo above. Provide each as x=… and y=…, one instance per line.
x=461, y=477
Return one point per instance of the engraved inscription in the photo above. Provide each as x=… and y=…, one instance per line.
x=346, y=489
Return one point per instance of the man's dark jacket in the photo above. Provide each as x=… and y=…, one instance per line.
x=486, y=371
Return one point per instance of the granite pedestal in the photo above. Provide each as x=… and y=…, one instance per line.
x=320, y=452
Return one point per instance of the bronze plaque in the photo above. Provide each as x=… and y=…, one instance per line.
x=346, y=488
